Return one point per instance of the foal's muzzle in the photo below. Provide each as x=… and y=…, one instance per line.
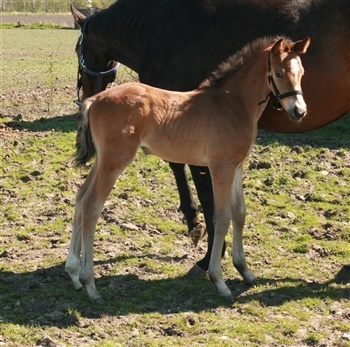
x=297, y=109
x=298, y=113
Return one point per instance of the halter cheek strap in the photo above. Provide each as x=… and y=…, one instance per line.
x=83, y=67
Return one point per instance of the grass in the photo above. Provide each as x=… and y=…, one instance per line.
x=296, y=237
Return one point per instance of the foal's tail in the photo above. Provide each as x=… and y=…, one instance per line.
x=85, y=149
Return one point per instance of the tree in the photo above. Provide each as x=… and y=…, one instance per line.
x=53, y=6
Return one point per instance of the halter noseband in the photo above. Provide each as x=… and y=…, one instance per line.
x=276, y=93
x=83, y=67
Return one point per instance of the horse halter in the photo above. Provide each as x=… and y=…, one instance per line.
x=276, y=93
x=83, y=67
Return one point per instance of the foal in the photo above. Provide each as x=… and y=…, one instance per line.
x=214, y=125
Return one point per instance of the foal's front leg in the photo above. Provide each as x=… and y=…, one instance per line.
x=222, y=178
x=238, y=219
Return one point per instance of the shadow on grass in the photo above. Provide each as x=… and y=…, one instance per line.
x=64, y=124
x=332, y=136
x=46, y=297
x=295, y=290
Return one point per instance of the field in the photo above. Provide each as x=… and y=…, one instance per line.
x=63, y=20
x=297, y=234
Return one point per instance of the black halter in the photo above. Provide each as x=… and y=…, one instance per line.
x=276, y=95
x=83, y=67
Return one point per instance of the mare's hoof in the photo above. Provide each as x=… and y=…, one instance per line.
x=196, y=271
x=343, y=276
x=197, y=233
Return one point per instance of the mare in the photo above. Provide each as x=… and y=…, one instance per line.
x=118, y=121
x=176, y=44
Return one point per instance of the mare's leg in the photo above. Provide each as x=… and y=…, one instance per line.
x=73, y=259
x=187, y=205
x=91, y=207
x=223, y=177
x=202, y=180
x=238, y=219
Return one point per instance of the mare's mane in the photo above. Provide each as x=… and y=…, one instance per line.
x=133, y=14
x=291, y=8
x=236, y=61
x=130, y=13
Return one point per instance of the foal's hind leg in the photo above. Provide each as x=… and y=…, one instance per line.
x=238, y=219
x=91, y=208
x=73, y=259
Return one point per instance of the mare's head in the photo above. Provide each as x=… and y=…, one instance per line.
x=284, y=75
x=96, y=68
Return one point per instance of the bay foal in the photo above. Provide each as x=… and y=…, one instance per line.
x=214, y=125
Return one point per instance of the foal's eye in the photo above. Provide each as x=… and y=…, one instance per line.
x=279, y=74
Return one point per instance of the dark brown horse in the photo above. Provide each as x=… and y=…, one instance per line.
x=221, y=116
x=176, y=44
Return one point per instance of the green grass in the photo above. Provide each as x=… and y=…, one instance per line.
x=296, y=236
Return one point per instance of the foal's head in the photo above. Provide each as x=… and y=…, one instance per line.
x=284, y=74
x=96, y=68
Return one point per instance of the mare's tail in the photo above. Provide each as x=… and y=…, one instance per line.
x=85, y=149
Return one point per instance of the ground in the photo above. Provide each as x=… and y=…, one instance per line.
x=296, y=236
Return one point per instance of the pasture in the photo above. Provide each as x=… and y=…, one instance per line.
x=297, y=233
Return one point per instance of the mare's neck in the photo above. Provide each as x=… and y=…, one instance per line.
x=125, y=45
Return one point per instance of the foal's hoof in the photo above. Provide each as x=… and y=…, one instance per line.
x=343, y=276
x=229, y=298
x=225, y=292
x=78, y=286
x=97, y=301
x=251, y=282
x=196, y=271
x=197, y=233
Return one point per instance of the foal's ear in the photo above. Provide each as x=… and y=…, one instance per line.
x=301, y=46
x=279, y=47
x=78, y=16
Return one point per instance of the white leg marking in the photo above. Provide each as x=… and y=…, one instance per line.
x=222, y=178
x=238, y=218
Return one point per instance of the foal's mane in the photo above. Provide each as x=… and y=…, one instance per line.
x=238, y=60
